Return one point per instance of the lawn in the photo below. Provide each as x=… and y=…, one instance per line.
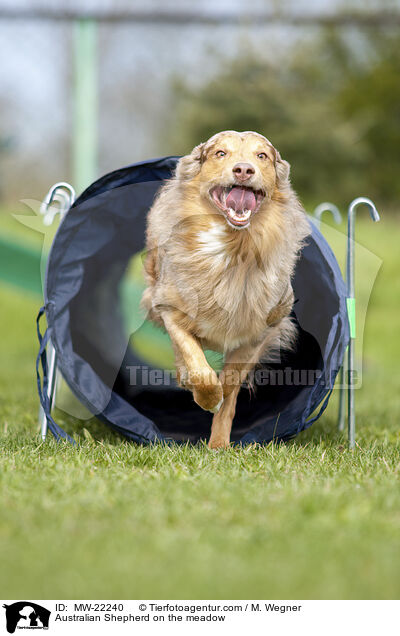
x=109, y=519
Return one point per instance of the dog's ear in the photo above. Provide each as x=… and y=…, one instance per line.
x=282, y=168
x=189, y=166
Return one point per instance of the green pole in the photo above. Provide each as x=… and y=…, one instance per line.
x=84, y=153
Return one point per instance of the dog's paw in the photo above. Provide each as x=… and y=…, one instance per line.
x=207, y=392
x=218, y=442
x=216, y=408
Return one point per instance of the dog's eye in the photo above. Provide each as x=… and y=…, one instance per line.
x=220, y=153
x=262, y=155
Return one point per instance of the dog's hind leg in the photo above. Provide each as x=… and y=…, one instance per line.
x=197, y=375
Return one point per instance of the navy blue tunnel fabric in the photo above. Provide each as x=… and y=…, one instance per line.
x=89, y=259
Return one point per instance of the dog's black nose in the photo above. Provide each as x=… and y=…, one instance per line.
x=243, y=171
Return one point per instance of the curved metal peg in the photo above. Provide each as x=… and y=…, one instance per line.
x=327, y=207
x=351, y=304
x=350, y=237
x=61, y=193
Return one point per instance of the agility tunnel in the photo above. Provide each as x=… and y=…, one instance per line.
x=118, y=364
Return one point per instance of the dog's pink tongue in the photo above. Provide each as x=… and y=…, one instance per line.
x=240, y=199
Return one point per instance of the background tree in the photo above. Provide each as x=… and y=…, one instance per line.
x=332, y=107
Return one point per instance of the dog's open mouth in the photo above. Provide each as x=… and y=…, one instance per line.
x=238, y=203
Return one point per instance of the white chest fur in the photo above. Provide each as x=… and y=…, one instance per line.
x=239, y=287
x=212, y=243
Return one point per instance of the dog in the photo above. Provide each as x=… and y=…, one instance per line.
x=223, y=236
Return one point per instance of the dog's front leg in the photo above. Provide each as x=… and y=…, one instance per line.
x=242, y=360
x=222, y=421
x=238, y=365
x=200, y=378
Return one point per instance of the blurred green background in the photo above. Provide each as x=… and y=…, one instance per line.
x=109, y=519
x=331, y=107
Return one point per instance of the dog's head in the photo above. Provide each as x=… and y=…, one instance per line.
x=237, y=173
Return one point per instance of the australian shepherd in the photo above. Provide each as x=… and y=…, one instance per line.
x=223, y=237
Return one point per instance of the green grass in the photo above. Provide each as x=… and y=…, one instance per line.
x=109, y=519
